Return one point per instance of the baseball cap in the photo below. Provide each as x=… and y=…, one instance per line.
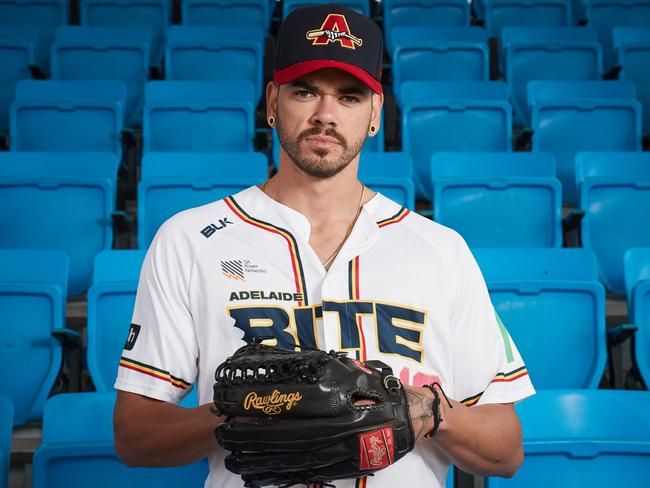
x=329, y=36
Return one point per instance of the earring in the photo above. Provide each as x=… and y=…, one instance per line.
x=271, y=120
x=373, y=129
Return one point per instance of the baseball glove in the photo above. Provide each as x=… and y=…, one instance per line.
x=292, y=417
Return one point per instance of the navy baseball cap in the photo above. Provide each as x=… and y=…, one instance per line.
x=329, y=36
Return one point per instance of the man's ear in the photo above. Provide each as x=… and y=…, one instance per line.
x=272, y=99
x=377, y=104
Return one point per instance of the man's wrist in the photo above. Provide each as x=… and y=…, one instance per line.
x=420, y=403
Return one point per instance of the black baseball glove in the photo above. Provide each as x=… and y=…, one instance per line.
x=292, y=417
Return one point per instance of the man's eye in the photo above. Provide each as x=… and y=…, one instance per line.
x=350, y=100
x=303, y=94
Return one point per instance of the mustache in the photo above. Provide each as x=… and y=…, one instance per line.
x=314, y=131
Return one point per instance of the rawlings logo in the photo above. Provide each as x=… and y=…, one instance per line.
x=272, y=404
x=377, y=452
x=376, y=449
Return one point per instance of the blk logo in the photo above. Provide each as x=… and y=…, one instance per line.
x=212, y=228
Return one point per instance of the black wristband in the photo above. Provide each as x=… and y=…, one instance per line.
x=435, y=407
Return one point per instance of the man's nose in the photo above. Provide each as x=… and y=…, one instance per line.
x=325, y=111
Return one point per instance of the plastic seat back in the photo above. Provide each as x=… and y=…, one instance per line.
x=550, y=302
x=199, y=116
x=17, y=52
x=78, y=446
x=568, y=117
x=56, y=115
x=637, y=284
x=498, y=199
x=570, y=439
x=547, y=53
x=632, y=47
x=360, y=6
x=614, y=193
x=111, y=299
x=445, y=116
x=32, y=299
x=45, y=15
x=104, y=53
x=168, y=187
x=526, y=13
x=59, y=201
x=226, y=13
x=215, y=53
x=6, y=423
x=390, y=173
x=154, y=14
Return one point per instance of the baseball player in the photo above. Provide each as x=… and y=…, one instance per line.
x=314, y=258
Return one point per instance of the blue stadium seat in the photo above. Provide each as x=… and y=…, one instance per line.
x=32, y=299
x=78, y=446
x=605, y=15
x=105, y=53
x=551, y=302
x=17, y=52
x=452, y=116
x=567, y=117
x=45, y=15
x=172, y=182
x=632, y=47
x=227, y=13
x=111, y=299
x=56, y=115
x=498, y=199
x=215, y=53
x=423, y=13
x=361, y=6
x=155, y=14
x=614, y=193
x=637, y=285
x=526, y=13
x=390, y=173
x=547, y=53
x=59, y=201
x=372, y=144
x=199, y=116
x=572, y=439
x=6, y=423
x=439, y=54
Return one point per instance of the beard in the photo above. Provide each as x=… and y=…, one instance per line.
x=319, y=165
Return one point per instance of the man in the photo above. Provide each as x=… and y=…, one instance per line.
x=314, y=258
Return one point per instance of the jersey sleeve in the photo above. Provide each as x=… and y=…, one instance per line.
x=487, y=365
x=159, y=359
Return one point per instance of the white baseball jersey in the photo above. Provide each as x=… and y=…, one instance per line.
x=403, y=289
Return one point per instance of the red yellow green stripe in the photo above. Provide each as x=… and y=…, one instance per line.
x=294, y=253
x=154, y=372
x=398, y=217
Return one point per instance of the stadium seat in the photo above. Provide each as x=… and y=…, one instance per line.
x=423, y=13
x=59, y=201
x=78, y=447
x=45, y=15
x=572, y=439
x=154, y=14
x=391, y=174
x=172, y=182
x=215, y=53
x=32, y=299
x=6, y=423
x=361, y=6
x=56, y=115
x=111, y=299
x=17, y=52
x=439, y=54
x=105, y=53
x=552, y=304
x=498, y=199
x=227, y=13
x=572, y=116
x=614, y=193
x=199, y=116
x=637, y=286
x=605, y=15
x=547, y=53
x=445, y=116
x=526, y=13
x=632, y=47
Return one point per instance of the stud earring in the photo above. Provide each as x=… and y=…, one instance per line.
x=372, y=130
x=271, y=120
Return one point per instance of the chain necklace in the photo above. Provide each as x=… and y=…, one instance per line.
x=329, y=260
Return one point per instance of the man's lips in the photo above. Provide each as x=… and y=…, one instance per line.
x=324, y=140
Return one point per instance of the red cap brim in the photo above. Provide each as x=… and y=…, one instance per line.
x=295, y=71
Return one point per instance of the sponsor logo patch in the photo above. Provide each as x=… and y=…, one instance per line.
x=233, y=269
x=376, y=448
x=134, y=331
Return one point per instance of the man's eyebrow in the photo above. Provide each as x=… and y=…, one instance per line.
x=352, y=90
x=304, y=85
x=346, y=90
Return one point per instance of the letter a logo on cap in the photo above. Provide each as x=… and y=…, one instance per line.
x=334, y=29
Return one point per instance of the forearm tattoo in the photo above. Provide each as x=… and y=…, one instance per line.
x=421, y=410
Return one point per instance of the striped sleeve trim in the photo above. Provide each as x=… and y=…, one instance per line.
x=154, y=372
x=471, y=401
x=511, y=376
